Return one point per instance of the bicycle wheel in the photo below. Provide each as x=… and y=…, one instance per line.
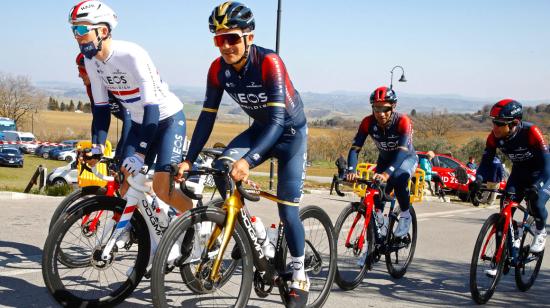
x=320, y=254
x=528, y=264
x=485, y=272
x=96, y=282
x=400, y=251
x=71, y=199
x=235, y=285
x=350, y=271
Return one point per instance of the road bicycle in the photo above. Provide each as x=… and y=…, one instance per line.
x=504, y=243
x=109, y=260
x=232, y=240
x=193, y=188
x=362, y=240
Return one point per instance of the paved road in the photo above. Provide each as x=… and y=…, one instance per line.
x=438, y=277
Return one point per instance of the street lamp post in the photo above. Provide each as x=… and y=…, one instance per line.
x=402, y=79
x=272, y=160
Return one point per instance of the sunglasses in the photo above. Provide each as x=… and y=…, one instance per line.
x=381, y=109
x=82, y=30
x=501, y=123
x=231, y=38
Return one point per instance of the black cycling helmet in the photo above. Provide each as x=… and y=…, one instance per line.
x=507, y=109
x=383, y=94
x=231, y=15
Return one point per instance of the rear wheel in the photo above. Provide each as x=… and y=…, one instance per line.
x=528, y=263
x=485, y=271
x=320, y=255
x=350, y=271
x=95, y=282
x=400, y=251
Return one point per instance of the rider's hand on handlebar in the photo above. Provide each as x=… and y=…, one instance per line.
x=382, y=177
x=184, y=166
x=240, y=170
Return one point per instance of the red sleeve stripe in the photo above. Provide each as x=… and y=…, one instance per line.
x=129, y=92
x=405, y=125
x=365, y=124
x=214, y=71
x=536, y=139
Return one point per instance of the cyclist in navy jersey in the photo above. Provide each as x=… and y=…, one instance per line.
x=256, y=78
x=525, y=146
x=117, y=110
x=397, y=160
x=126, y=70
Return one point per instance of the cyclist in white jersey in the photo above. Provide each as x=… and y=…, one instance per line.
x=126, y=70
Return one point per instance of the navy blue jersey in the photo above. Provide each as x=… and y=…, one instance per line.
x=526, y=148
x=391, y=141
x=263, y=90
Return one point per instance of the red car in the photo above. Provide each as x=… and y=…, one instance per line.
x=446, y=166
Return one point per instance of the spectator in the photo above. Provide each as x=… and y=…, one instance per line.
x=426, y=165
x=471, y=163
x=342, y=166
x=495, y=176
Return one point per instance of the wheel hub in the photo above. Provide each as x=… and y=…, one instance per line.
x=98, y=262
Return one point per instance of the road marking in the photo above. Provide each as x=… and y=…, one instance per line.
x=19, y=272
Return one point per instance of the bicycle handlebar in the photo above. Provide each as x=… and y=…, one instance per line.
x=374, y=184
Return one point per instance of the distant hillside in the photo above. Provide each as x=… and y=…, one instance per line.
x=344, y=104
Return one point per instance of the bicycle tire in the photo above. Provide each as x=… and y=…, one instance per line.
x=176, y=229
x=391, y=241
x=524, y=254
x=481, y=297
x=343, y=281
x=83, y=298
x=321, y=283
x=70, y=200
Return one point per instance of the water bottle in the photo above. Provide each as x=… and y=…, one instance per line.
x=261, y=234
x=272, y=235
x=382, y=221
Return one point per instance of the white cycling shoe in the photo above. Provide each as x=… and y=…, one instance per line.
x=403, y=226
x=490, y=272
x=539, y=241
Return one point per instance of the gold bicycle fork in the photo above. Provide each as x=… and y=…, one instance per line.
x=232, y=206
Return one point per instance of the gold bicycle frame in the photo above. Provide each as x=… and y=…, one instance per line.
x=232, y=206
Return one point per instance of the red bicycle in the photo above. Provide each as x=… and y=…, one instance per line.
x=504, y=243
x=362, y=239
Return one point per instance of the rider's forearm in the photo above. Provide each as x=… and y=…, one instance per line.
x=264, y=143
x=402, y=154
x=149, y=127
x=202, y=132
x=100, y=123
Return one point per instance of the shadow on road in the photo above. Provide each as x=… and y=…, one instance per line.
x=444, y=283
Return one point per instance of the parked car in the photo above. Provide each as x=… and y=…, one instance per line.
x=67, y=156
x=64, y=175
x=72, y=143
x=447, y=167
x=42, y=151
x=22, y=137
x=11, y=156
x=54, y=153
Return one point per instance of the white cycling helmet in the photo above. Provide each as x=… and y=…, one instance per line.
x=94, y=12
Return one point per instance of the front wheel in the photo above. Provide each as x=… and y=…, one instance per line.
x=71, y=199
x=485, y=270
x=95, y=282
x=400, y=250
x=354, y=245
x=528, y=263
x=320, y=255
x=196, y=260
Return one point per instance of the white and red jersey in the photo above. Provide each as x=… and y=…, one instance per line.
x=130, y=75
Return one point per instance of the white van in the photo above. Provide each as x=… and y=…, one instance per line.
x=23, y=137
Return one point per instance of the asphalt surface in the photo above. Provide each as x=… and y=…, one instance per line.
x=438, y=276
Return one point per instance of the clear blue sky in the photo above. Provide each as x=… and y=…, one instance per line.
x=486, y=49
